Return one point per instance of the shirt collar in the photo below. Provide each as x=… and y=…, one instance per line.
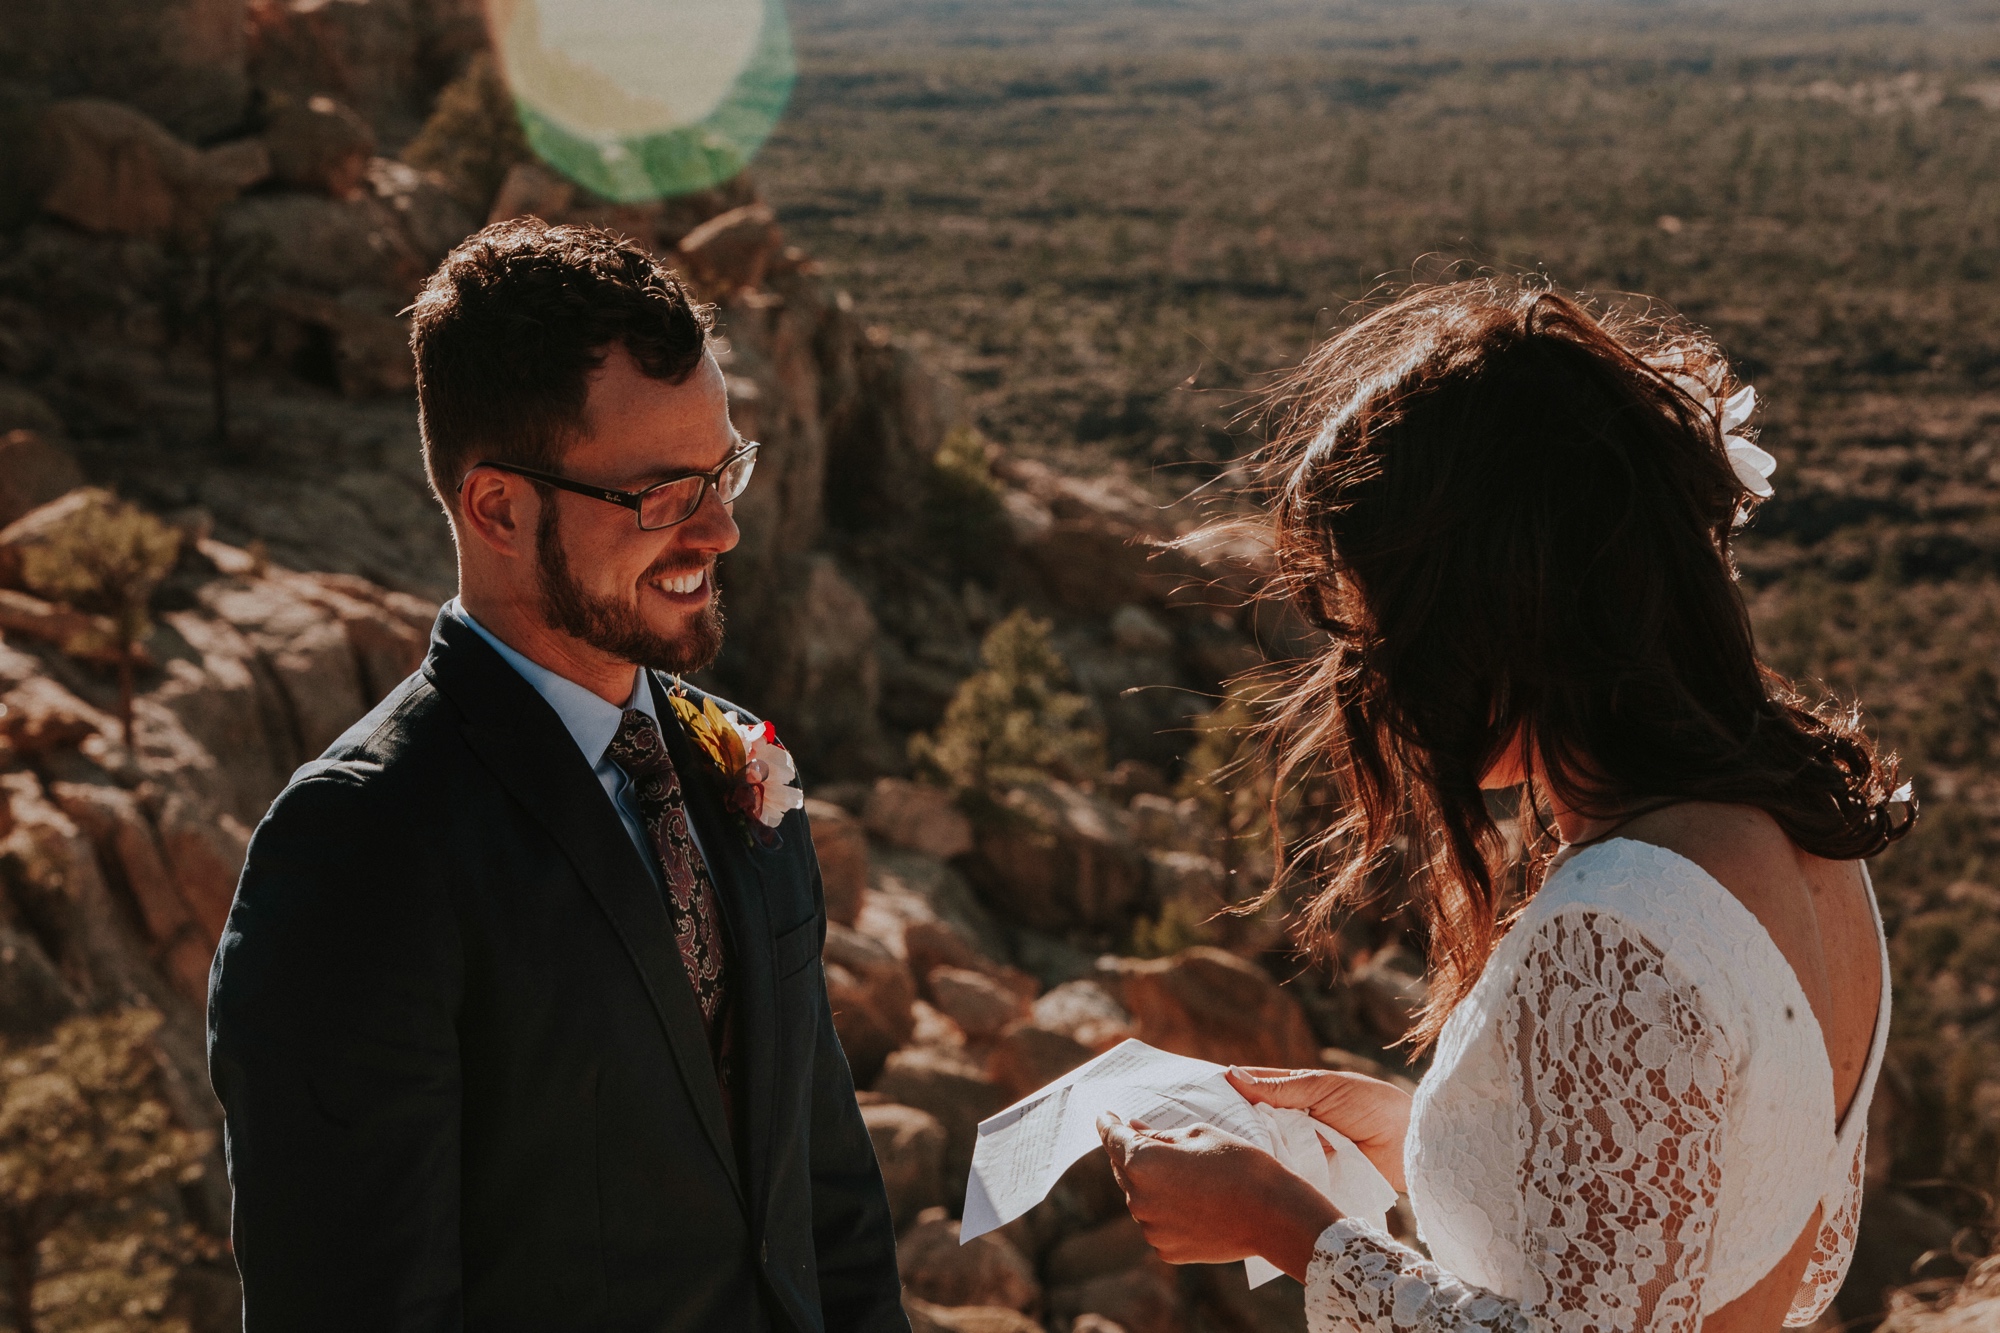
x=592, y=723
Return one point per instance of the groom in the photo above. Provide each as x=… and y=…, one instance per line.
x=518, y=1019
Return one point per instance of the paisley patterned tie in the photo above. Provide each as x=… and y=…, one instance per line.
x=697, y=920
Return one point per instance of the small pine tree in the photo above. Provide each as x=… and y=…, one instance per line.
x=106, y=557
x=83, y=1130
x=1013, y=722
x=474, y=135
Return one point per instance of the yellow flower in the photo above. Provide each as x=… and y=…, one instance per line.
x=711, y=731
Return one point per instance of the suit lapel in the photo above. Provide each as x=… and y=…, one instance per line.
x=520, y=738
x=738, y=873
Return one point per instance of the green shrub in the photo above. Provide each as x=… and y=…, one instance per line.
x=1013, y=722
x=109, y=558
x=963, y=515
x=87, y=1147
x=1180, y=925
x=473, y=136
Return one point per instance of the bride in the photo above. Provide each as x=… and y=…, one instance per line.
x=1647, y=1102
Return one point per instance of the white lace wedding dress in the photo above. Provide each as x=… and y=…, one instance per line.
x=1628, y=1122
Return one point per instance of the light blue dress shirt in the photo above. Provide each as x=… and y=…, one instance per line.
x=593, y=725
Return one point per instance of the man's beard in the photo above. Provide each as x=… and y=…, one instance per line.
x=616, y=628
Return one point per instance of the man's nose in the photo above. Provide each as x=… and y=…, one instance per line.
x=712, y=526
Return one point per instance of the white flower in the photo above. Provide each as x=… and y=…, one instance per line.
x=1753, y=466
x=769, y=771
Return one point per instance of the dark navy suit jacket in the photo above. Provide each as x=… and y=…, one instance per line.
x=465, y=1081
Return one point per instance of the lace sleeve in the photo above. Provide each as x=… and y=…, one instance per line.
x=1833, y=1247
x=1622, y=1076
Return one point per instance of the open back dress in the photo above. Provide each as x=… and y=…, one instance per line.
x=1627, y=1124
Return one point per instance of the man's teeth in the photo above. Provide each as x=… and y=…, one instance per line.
x=683, y=583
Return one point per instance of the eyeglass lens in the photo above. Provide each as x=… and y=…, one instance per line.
x=676, y=501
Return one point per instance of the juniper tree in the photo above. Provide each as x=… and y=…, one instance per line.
x=1014, y=721
x=107, y=557
x=82, y=1126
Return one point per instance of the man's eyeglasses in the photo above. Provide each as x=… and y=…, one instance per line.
x=665, y=503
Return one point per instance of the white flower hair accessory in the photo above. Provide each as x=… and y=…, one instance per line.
x=1753, y=465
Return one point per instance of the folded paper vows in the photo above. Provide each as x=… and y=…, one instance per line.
x=1024, y=1150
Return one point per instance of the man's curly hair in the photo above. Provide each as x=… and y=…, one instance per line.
x=509, y=328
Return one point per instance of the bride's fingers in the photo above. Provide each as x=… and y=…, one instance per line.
x=1300, y=1089
x=1119, y=1141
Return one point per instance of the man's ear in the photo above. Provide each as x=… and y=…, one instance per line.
x=500, y=510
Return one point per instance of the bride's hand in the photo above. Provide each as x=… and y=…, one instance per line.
x=1374, y=1114
x=1203, y=1196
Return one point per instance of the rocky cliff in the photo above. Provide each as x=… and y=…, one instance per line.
x=218, y=210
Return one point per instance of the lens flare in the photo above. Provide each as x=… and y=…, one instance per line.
x=641, y=99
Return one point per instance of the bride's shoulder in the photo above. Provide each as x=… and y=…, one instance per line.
x=1739, y=846
x=1672, y=870
x=1743, y=850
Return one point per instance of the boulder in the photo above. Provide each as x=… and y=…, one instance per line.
x=365, y=52
x=1973, y=1308
x=816, y=650
x=871, y=993
x=432, y=217
x=388, y=631
x=931, y=944
x=1111, y=1246
x=960, y=1095
x=180, y=62
x=981, y=1006
x=1228, y=1301
x=352, y=340
x=114, y=170
x=1134, y=629
x=1095, y=541
x=842, y=850
x=732, y=251
x=21, y=408
x=1144, y=1298
x=915, y=888
x=923, y=819
x=532, y=190
x=934, y=1031
x=1055, y=858
x=1027, y=1057
x=1085, y=1011
x=80, y=634
x=986, y=1270
x=318, y=143
x=1198, y=883
x=33, y=995
x=33, y=471
x=1212, y=1005
x=205, y=851
x=928, y=1318
x=909, y=1147
x=1389, y=992
x=1895, y=1235
x=329, y=246
x=1164, y=824
x=38, y=716
x=128, y=849
x=305, y=649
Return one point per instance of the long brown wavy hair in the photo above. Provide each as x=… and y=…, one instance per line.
x=1512, y=518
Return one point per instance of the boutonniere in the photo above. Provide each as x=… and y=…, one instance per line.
x=758, y=774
